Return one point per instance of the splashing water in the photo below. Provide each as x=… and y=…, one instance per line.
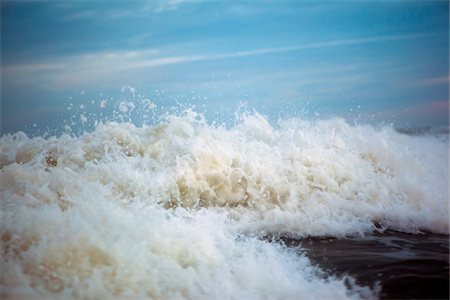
x=179, y=209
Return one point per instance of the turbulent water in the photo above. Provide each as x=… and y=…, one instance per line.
x=183, y=209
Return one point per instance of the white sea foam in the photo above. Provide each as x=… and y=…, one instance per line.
x=177, y=210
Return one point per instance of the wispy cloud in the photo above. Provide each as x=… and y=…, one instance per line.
x=327, y=44
x=436, y=80
x=97, y=67
x=160, y=6
x=73, y=12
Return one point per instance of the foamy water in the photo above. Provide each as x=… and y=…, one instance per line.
x=177, y=210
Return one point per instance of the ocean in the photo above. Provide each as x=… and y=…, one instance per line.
x=188, y=209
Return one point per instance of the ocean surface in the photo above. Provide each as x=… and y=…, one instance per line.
x=186, y=209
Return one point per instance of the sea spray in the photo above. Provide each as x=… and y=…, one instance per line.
x=178, y=209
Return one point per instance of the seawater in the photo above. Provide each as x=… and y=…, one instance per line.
x=182, y=209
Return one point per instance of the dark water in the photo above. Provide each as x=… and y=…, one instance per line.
x=407, y=266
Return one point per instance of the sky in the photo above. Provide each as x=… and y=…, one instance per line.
x=365, y=61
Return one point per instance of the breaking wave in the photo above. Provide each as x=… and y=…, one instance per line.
x=180, y=209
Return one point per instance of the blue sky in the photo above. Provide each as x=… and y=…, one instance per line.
x=377, y=61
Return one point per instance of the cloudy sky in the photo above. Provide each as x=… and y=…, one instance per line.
x=372, y=61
